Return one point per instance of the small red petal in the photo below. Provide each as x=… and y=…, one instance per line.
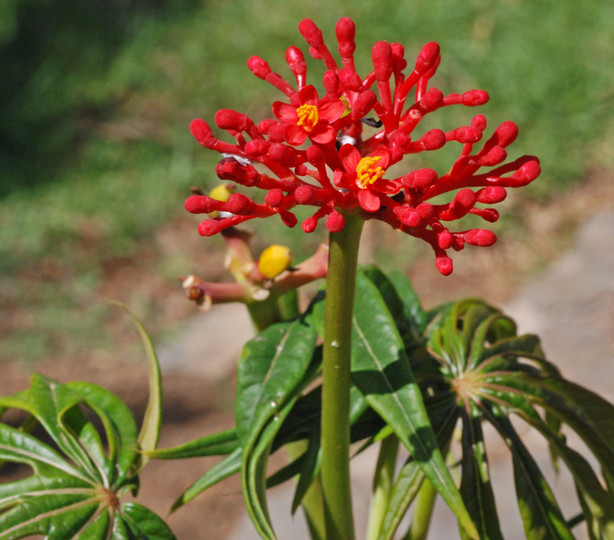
x=285, y=112
x=308, y=95
x=368, y=201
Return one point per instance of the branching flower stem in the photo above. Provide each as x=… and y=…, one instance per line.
x=335, y=472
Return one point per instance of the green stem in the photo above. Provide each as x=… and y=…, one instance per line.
x=421, y=520
x=264, y=313
x=335, y=471
x=382, y=484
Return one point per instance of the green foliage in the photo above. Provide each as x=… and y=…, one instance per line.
x=79, y=471
x=417, y=378
x=420, y=375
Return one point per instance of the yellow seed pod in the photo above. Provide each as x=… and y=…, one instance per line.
x=274, y=260
x=222, y=192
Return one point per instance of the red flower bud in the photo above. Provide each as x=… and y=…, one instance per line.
x=350, y=79
x=345, y=31
x=255, y=148
x=420, y=179
x=364, y=103
x=506, y=134
x=474, y=98
x=480, y=237
x=432, y=140
x=491, y=194
x=311, y=33
x=331, y=82
x=427, y=57
x=431, y=100
x=304, y=194
x=229, y=119
x=258, y=67
x=274, y=198
x=239, y=204
x=201, y=204
x=309, y=225
x=381, y=54
x=495, y=155
x=202, y=133
x=296, y=61
x=443, y=263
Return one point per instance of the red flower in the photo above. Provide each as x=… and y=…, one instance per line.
x=311, y=118
x=342, y=170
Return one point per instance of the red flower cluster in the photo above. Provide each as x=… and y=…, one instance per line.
x=316, y=151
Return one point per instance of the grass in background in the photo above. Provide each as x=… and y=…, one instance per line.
x=96, y=155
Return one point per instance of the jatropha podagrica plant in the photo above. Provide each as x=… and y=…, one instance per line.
x=378, y=370
x=317, y=152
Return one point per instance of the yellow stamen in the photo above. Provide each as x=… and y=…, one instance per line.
x=367, y=173
x=308, y=117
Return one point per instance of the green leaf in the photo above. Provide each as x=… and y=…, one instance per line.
x=74, y=485
x=476, y=488
x=221, y=443
x=150, y=428
x=443, y=415
x=143, y=523
x=414, y=313
x=541, y=515
x=381, y=371
x=273, y=369
x=230, y=465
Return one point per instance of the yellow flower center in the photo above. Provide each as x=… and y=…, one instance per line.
x=367, y=173
x=308, y=117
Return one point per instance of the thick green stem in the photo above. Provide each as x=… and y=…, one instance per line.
x=382, y=484
x=335, y=471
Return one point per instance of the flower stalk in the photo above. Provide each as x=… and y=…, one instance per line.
x=335, y=472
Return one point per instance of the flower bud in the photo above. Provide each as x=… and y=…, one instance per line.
x=350, y=79
x=506, y=134
x=258, y=67
x=345, y=32
x=331, y=82
x=364, y=103
x=420, y=179
x=239, y=204
x=304, y=194
x=381, y=54
x=495, y=155
x=443, y=263
x=231, y=120
x=309, y=225
x=201, y=204
x=202, y=133
x=257, y=147
x=311, y=33
x=427, y=57
x=274, y=197
x=296, y=61
x=491, y=194
x=474, y=98
x=431, y=100
x=432, y=140
x=480, y=237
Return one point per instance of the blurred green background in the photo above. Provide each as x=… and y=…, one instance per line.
x=96, y=158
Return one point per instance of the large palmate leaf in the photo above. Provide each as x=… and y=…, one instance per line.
x=381, y=371
x=76, y=480
x=496, y=373
x=79, y=473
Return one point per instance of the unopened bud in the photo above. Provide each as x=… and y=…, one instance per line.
x=427, y=57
